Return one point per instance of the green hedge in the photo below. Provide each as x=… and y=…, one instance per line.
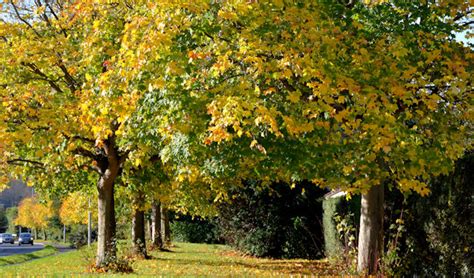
x=333, y=245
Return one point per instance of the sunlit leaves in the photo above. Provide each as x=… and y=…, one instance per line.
x=33, y=214
x=307, y=90
x=364, y=94
x=75, y=209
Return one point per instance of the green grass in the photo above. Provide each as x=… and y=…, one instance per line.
x=185, y=259
x=15, y=259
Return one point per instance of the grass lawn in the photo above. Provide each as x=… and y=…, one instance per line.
x=14, y=259
x=185, y=259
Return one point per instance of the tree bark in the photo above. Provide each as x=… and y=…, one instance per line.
x=148, y=231
x=89, y=224
x=156, y=238
x=165, y=226
x=138, y=228
x=106, y=247
x=371, y=230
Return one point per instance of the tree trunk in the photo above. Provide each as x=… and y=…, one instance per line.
x=156, y=238
x=371, y=230
x=165, y=226
x=89, y=224
x=148, y=229
x=106, y=248
x=138, y=228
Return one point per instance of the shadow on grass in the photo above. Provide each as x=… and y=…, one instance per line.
x=277, y=266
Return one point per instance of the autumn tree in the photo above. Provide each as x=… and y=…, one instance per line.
x=75, y=209
x=357, y=96
x=350, y=95
x=33, y=214
x=61, y=117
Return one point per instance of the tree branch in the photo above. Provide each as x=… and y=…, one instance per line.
x=87, y=153
x=15, y=8
x=467, y=23
x=56, y=17
x=36, y=70
x=459, y=16
x=70, y=81
x=78, y=137
x=18, y=161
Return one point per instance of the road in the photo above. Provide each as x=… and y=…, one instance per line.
x=7, y=249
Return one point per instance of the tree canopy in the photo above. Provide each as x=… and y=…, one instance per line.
x=347, y=94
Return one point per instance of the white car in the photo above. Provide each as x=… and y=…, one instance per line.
x=6, y=238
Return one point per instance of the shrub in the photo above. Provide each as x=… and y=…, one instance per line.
x=77, y=235
x=276, y=221
x=437, y=230
x=197, y=230
x=424, y=236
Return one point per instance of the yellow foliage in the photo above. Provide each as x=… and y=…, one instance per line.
x=33, y=214
x=75, y=207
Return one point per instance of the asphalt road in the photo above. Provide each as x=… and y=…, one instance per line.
x=8, y=249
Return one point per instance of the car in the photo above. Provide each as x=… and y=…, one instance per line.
x=25, y=238
x=6, y=238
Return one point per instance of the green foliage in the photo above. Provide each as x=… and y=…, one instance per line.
x=332, y=244
x=3, y=220
x=435, y=233
x=11, y=214
x=341, y=221
x=54, y=230
x=186, y=229
x=279, y=221
x=76, y=235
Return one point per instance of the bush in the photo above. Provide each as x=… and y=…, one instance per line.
x=341, y=223
x=77, y=235
x=275, y=221
x=424, y=236
x=186, y=229
x=437, y=230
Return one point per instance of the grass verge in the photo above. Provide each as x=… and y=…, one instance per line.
x=185, y=259
x=15, y=259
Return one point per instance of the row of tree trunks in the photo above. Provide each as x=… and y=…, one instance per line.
x=159, y=227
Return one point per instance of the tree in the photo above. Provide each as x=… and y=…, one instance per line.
x=3, y=219
x=75, y=209
x=156, y=238
x=138, y=224
x=350, y=95
x=165, y=226
x=57, y=121
x=33, y=214
x=11, y=214
x=357, y=96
